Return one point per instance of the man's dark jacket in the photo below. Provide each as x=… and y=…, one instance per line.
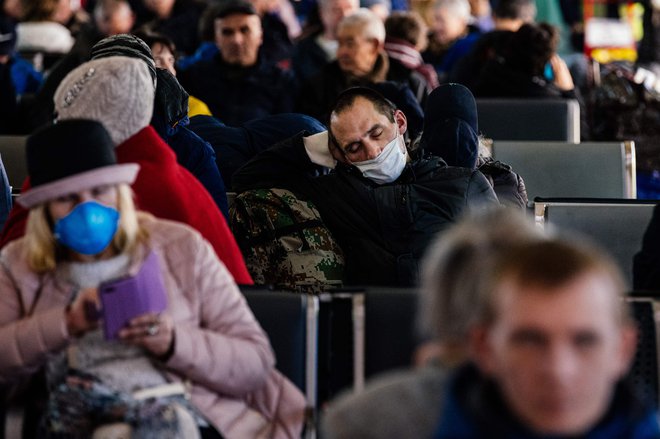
x=318, y=94
x=474, y=408
x=382, y=229
x=308, y=58
x=237, y=94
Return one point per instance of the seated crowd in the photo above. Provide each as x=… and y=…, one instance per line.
x=351, y=143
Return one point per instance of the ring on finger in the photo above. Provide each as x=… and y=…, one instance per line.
x=153, y=329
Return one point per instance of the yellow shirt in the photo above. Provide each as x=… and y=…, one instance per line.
x=197, y=107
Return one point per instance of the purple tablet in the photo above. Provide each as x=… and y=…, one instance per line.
x=126, y=298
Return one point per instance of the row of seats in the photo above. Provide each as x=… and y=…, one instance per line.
x=329, y=342
x=550, y=169
x=333, y=341
x=529, y=119
x=582, y=170
x=616, y=225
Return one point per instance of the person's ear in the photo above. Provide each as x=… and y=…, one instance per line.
x=481, y=350
x=336, y=152
x=377, y=46
x=627, y=348
x=401, y=121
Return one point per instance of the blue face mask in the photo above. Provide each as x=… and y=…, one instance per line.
x=88, y=229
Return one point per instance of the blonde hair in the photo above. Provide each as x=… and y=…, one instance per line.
x=43, y=252
x=548, y=266
x=457, y=269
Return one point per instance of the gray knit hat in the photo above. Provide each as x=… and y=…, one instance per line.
x=125, y=45
x=116, y=91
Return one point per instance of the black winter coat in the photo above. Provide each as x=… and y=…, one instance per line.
x=318, y=94
x=383, y=229
x=308, y=58
x=238, y=94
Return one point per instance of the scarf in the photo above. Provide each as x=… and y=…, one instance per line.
x=406, y=54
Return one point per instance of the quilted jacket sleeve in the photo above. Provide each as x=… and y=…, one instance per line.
x=26, y=341
x=227, y=352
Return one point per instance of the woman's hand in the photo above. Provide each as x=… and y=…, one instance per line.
x=154, y=332
x=563, y=79
x=82, y=315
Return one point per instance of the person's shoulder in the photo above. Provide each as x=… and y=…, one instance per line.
x=397, y=70
x=306, y=43
x=13, y=252
x=167, y=233
x=330, y=70
x=432, y=165
x=273, y=23
x=14, y=262
x=293, y=142
x=471, y=37
x=432, y=170
x=406, y=403
x=408, y=382
x=417, y=79
x=204, y=65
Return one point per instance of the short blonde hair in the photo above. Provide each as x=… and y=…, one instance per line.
x=548, y=266
x=43, y=252
x=457, y=269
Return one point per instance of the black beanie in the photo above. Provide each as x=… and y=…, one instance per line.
x=126, y=45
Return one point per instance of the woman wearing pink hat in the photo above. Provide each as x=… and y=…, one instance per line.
x=191, y=359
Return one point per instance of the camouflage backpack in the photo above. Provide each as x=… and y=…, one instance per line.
x=285, y=242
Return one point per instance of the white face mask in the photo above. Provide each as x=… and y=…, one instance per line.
x=389, y=164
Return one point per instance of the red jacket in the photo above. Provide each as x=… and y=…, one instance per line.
x=166, y=190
